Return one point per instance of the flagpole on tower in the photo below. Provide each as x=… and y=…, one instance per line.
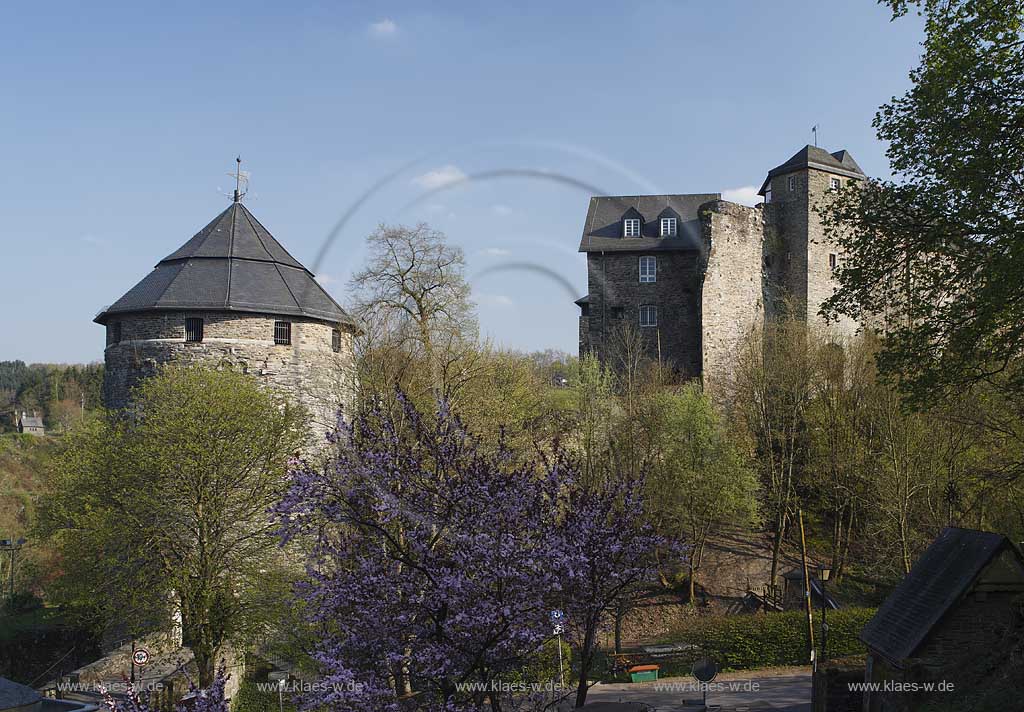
x=814, y=130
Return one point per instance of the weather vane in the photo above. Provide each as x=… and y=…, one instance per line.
x=241, y=177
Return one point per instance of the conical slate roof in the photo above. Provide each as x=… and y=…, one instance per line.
x=232, y=264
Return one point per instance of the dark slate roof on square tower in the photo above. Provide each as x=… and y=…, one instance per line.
x=602, y=231
x=945, y=572
x=840, y=163
x=232, y=264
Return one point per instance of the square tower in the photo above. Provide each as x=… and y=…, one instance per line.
x=797, y=252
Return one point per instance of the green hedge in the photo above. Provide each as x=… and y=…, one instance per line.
x=249, y=698
x=770, y=639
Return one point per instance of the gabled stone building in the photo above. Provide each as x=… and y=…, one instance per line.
x=29, y=424
x=962, y=600
x=233, y=296
x=694, y=273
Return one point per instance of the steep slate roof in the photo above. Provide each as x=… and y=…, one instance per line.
x=944, y=573
x=232, y=264
x=31, y=421
x=840, y=163
x=13, y=695
x=602, y=231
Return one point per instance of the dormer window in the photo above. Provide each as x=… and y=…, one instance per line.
x=669, y=227
x=631, y=227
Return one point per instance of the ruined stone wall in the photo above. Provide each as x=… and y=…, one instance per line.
x=614, y=283
x=732, y=295
x=308, y=372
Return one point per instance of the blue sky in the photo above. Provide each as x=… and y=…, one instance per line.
x=121, y=120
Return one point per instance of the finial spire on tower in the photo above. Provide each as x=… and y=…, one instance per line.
x=239, y=177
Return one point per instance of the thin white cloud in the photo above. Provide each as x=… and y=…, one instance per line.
x=497, y=252
x=502, y=210
x=383, y=28
x=495, y=300
x=325, y=279
x=95, y=241
x=745, y=195
x=439, y=177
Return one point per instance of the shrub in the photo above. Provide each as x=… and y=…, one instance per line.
x=765, y=640
x=249, y=698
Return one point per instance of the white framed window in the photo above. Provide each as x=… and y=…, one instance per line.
x=768, y=195
x=631, y=227
x=648, y=315
x=792, y=183
x=835, y=183
x=669, y=227
x=648, y=269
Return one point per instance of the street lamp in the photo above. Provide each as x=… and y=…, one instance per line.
x=824, y=574
x=11, y=546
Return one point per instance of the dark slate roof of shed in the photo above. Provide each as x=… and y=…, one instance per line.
x=31, y=421
x=840, y=163
x=232, y=264
x=602, y=231
x=944, y=573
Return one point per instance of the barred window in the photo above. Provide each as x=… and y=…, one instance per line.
x=631, y=227
x=668, y=227
x=194, y=329
x=336, y=340
x=648, y=269
x=283, y=333
x=833, y=261
x=648, y=315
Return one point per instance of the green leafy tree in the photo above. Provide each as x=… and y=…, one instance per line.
x=702, y=482
x=937, y=253
x=165, y=511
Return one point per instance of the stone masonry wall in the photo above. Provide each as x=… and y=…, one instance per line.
x=732, y=296
x=800, y=248
x=821, y=283
x=614, y=283
x=308, y=371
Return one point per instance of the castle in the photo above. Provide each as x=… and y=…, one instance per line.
x=695, y=273
x=233, y=296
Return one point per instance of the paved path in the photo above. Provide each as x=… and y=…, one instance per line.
x=785, y=693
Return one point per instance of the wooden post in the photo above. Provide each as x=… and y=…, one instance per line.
x=807, y=588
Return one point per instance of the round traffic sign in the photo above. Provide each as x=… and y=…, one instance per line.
x=705, y=670
x=140, y=657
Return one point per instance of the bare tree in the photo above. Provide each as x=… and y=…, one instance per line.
x=421, y=330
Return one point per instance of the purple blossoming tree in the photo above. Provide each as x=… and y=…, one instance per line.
x=435, y=564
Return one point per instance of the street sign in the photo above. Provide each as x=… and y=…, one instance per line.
x=140, y=657
x=705, y=670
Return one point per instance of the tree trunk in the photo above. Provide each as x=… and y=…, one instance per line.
x=586, y=660
x=620, y=613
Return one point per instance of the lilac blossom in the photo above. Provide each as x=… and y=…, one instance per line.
x=434, y=563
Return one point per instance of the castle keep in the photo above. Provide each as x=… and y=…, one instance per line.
x=694, y=273
x=233, y=296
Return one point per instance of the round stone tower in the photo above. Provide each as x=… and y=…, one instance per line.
x=233, y=296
